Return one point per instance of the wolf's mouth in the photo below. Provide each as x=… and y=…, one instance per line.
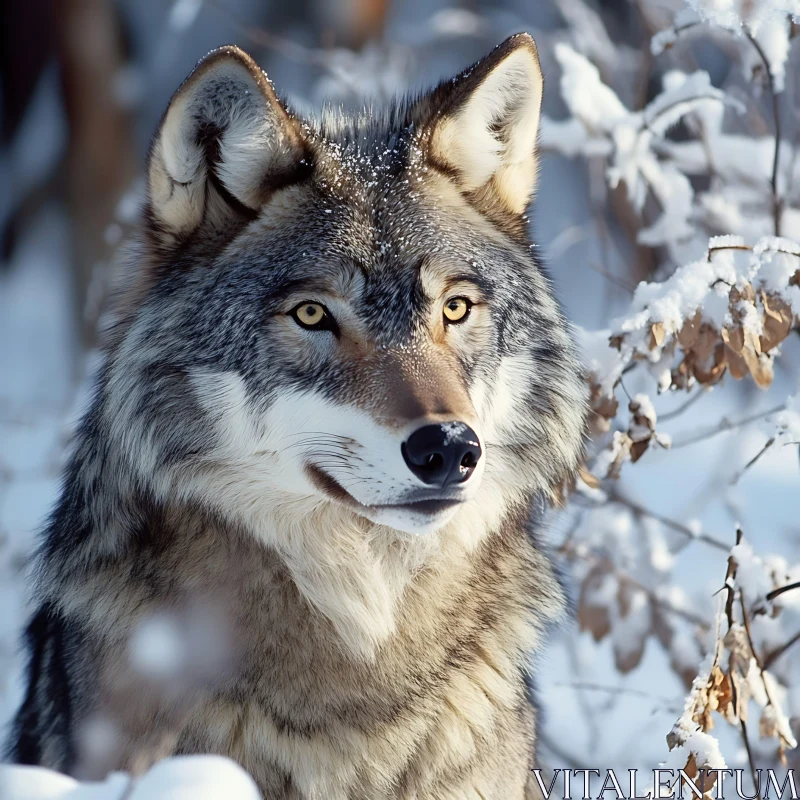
x=425, y=505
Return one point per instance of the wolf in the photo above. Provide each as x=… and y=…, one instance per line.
x=299, y=526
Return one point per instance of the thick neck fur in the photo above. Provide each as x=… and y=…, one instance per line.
x=351, y=571
x=324, y=654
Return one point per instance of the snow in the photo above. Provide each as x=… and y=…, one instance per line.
x=585, y=94
x=703, y=746
x=767, y=21
x=183, y=778
x=751, y=575
x=630, y=137
x=599, y=359
x=196, y=778
x=685, y=18
x=787, y=422
x=703, y=287
x=737, y=14
x=156, y=647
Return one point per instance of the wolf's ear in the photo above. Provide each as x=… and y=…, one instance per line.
x=488, y=122
x=224, y=144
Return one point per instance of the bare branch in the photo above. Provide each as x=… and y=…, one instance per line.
x=750, y=759
x=620, y=690
x=678, y=411
x=730, y=577
x=776, y=592
x=776, y=201
x=726, y=425
x=735, y=479
x=778, y=652
x=640, y=510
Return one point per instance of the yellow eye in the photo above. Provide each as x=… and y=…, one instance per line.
x=314, y=316
x=456, y=309
x=310, y=313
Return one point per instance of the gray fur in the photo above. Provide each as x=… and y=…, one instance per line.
x=332, y=655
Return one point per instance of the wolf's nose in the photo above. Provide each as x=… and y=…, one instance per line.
x=442, y=454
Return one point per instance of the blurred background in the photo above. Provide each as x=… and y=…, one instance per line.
x=83, y=84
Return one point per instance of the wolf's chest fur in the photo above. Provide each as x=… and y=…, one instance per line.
x=440, y=707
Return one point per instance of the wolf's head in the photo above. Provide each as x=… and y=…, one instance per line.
x=347, y=310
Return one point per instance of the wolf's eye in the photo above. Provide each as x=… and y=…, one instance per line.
x=456, y=309
x=314, y=317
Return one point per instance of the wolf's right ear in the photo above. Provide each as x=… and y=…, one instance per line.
x=486, y=124
x=224, y=144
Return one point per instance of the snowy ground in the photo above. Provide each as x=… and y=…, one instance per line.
x=187, y=778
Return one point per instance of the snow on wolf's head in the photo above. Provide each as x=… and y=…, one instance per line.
x=345, y=311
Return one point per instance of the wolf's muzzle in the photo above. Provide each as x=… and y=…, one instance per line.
x=442, y=454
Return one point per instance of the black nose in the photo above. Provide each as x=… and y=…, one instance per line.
x=442, y=454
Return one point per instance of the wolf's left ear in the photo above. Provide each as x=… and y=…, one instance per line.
x=487, y=124
x=225, y=143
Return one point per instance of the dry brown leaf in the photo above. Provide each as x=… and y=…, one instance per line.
x=740, y=656
x=661, y=627
x=708, y=375
x=606, y=407
x=702, y=779
x=724, y=698
x=629, y=658
x=657, y=335
x=622, y=446
x=760, y=367
x=746, y=293
x=741, y=693
x=591, y=617
x=638, y=449
x=702, y=716
x=767, y=727
x=777, y=322
x=691, y=766
x=705, y=343
x=595, y=620
x=682, y=373
x=592, y=481
x=734, y=338
x=688, y=334
x=736, y=363
x=641, y=418
x=753, y=341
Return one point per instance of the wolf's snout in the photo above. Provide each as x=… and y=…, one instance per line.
x=442, y=454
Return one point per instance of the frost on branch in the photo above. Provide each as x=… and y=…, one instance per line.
x=703, y=188
x=730, y=310
x=736, y=675
x=768, y=22
x=602, y=126
x=726, y=313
